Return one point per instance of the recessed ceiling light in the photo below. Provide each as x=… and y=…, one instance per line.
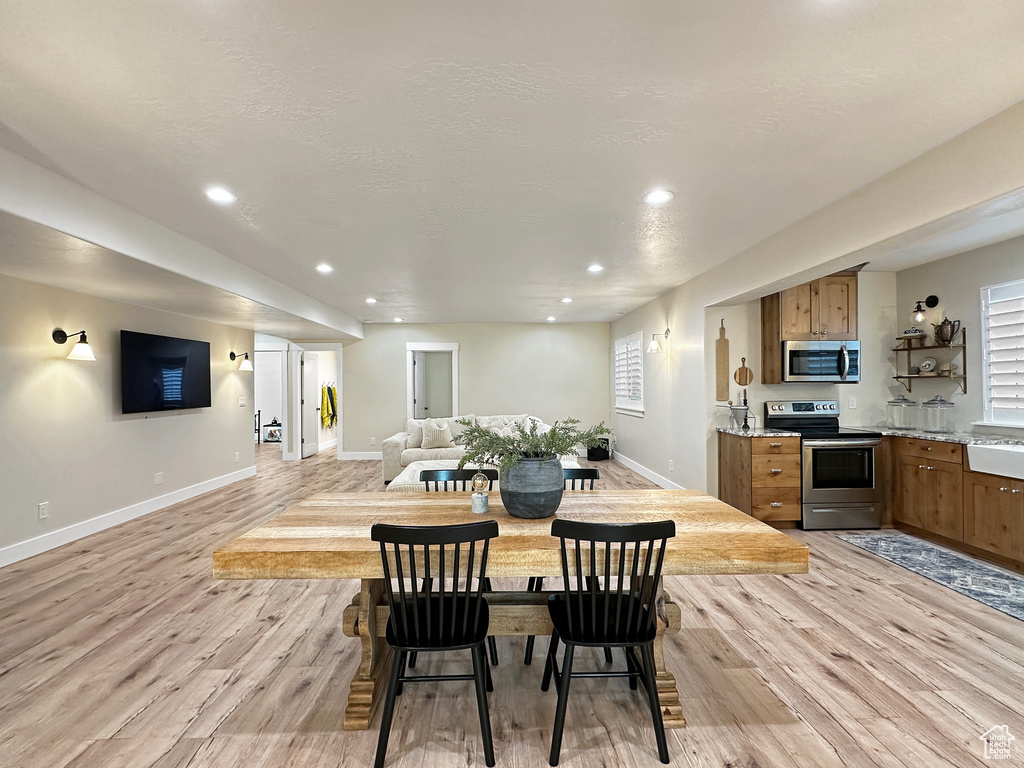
x=595, y=268
x=324, y=269
x=551, y=318
x=371, y=300
x=567, y=300
x=221, y=195
x=399, y=320
x=658, y=197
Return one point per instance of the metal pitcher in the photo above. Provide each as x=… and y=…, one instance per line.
x=946, y=331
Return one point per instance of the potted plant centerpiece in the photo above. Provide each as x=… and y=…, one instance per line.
x=529, y=470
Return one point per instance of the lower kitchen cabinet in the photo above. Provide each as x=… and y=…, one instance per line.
x=994, y=514
x=761, y=476
x=929, y=492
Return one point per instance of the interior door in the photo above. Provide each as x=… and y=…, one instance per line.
x=310, y=405
x=419, y=385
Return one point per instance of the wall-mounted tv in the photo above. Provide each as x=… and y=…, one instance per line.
x=161, y=373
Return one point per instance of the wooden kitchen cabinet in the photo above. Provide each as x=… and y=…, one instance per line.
x=994, y=514
x=761, y=476
x=929, y=491
x=821, y=310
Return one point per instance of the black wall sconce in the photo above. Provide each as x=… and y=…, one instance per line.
x=918, y=315
x=81, y=350
x=246, y=364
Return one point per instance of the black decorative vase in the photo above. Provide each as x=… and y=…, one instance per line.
x=532, y=488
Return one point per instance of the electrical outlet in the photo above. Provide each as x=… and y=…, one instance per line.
x=373, y=441
x=241, y=402
x=158, y=478
x=236, y=457
x=44, y=510
x=671, y=466
x=853, y=401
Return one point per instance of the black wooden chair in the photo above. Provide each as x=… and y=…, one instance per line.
x=461, y=479
x=581, y=475
x=434, y=617
x=438, y=480
x=612, y=581
x=570, y=477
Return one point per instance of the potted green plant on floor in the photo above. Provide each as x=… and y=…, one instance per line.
x=527, y=458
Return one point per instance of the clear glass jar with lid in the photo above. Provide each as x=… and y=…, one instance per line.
x=902, y=413
x=937, y=415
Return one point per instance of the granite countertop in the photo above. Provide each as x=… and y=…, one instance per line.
x=963, y=438
x=756, y=432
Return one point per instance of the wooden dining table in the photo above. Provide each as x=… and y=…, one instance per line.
x=327, y=536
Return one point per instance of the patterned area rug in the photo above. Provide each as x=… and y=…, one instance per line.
x=988, y=584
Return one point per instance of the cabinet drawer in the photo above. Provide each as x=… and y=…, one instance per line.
x=930, y=449
x=760, y=446
x=771, y=470
x=782, y=503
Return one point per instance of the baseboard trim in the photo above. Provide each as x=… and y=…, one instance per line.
x=36, y=546
x=654, y=477
x=360, y=456
x=328, y=444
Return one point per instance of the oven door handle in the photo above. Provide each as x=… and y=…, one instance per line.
x=856, y=442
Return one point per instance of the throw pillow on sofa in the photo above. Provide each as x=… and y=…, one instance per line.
x=437, y=434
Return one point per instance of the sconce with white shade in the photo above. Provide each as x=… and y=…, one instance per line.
x=81, y=350
x=918, y=315
x=655, y=345
x=246, y=364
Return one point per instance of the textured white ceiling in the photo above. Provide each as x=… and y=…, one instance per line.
x=465, y=161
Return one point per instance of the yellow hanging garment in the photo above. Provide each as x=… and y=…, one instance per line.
x=325, y=408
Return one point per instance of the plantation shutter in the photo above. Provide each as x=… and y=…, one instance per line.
x=1002, y=308
x=629, y=373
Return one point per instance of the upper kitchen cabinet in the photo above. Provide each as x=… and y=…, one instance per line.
x=821, y=310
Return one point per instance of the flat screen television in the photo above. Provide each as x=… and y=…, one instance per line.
x=161, y=373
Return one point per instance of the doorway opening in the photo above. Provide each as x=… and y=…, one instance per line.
x=432, y=374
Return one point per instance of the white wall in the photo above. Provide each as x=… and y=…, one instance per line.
x=268, y=384
x=958, y=281
x=65, y=439
x=550, y=371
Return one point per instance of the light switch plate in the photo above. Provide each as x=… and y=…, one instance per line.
x=241, y=402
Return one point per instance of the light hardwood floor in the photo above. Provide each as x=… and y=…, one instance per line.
x=122, y=650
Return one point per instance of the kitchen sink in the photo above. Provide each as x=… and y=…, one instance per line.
x=1005, y=460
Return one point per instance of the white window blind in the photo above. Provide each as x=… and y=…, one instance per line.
x=1002, y=309
x=629, y=373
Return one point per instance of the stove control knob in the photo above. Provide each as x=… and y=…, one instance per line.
x=832, y=406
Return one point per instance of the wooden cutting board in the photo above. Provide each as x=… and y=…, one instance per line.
x=743, y=374
x=722, y=365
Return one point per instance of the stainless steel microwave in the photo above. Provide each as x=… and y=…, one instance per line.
x=821, y=361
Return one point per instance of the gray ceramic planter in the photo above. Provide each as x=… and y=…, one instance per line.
x=532, y=488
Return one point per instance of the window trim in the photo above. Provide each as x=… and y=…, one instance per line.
x=628, y=344
x=991, y=415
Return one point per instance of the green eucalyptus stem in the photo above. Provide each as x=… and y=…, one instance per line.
x=486, y=446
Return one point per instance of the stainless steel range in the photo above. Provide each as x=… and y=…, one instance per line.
x=840, y=479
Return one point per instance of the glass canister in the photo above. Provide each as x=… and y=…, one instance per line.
x=902, y=413
x=937, y=415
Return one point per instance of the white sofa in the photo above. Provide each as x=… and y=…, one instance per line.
x=402, y=449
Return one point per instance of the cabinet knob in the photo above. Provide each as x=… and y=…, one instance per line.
x=929, y=467
x=816, y=333
x=921, y=466
x=1004, y=489
x=774, y=445
x=775, y=471
x=776, y=504
x=1015, y=490
x=927, y=447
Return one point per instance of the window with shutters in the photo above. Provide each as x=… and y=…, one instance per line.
x=629, y=374
x=1002, y=328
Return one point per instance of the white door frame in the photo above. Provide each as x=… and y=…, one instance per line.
x=311, y=400
x=430, y=346
x=291, y=449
